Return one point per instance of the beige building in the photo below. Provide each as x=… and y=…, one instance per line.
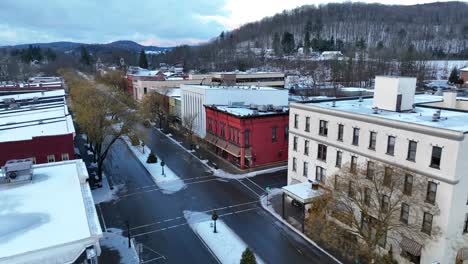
x=400, y=129
x=270, y=79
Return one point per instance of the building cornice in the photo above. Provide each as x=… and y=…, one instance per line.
x=433, y=131
x=373, y=157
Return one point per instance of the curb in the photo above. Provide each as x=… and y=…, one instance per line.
x=292, y=228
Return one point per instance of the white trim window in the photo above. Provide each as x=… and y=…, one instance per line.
x=51, y=158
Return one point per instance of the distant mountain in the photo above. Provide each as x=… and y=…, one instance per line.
x=65, y=46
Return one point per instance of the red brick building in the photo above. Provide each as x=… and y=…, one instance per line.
x=36, y=125
x=248, y=137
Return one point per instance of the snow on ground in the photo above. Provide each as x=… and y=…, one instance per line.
x=225, y=244
x=227, y=175
x=105, y=194
x=90, y=152
x=113, y=239
x=170, y=182
x=84, y=137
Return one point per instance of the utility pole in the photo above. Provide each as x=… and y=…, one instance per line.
x=128, y=234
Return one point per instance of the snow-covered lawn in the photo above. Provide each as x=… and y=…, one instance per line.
x=113, y=239
x=225, y=244
x=169, y=182
x=105, y=194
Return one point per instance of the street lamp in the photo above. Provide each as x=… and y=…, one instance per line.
x=214, y=217
x=128, y=233
x=143, y=146
x=162, y=167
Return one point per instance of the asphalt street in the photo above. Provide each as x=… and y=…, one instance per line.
x=157, y=219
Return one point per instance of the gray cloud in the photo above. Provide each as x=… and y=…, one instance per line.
x=108, y=20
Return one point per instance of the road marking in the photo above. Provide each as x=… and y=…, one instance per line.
x=258, y=186
x=153, y=259
x=258, y=196
x=102, y=217
x=195, y=213
x=184, y=179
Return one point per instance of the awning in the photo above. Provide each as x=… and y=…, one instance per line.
x=411, y=246
x=227, y=146
x=211, y=139
x=302, y=192
x=462, y=254
x=248, y=153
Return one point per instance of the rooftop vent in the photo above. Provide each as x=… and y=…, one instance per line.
x=375, y=110
x=262, y=108
x=333, y=103
x=436, y=116
x=17, y=171
x=13, y=106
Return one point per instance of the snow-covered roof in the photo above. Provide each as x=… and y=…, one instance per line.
x=464, y=69
x=51, y=219
x=26, y=122
x=247, y=111
x=236, y=87
x=25, y=96
x=302, y=192
x=453, y=120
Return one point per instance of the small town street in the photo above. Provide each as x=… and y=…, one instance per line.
x=157, y=219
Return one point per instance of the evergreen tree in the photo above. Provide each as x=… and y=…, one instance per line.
x=152, y=158
x=454, y=77
x=307, y=30
x=143, y=62
x=288, y=43
x=221, y=36
x=85, y=58
x=276, y=44
x=248, y=257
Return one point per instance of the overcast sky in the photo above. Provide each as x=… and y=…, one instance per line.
x=149, y=22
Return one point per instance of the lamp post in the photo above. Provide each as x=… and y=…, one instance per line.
x=162, y=167
x=214, y=217
x=128, y=233
x=143, y=147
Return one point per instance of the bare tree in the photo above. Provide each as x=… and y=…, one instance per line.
x=155, y=105
x=188, y=121
x=376, y=205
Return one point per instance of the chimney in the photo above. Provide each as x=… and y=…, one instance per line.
x=315, y=185
x=394, y=93
x=450, y=99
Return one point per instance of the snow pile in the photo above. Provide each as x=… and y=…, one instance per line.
x=225, y=244
x=170, y=182
x=223, y=174
x=105, y=194
x=113, y=239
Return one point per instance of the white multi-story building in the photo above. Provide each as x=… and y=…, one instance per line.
x=194, y=97
x=424, y=134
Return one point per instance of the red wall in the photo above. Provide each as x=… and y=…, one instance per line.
x=38, y=147
x=263, y=149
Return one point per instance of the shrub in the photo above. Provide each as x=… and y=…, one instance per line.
x=152, y=158
x=248, y=257
x=134, y=140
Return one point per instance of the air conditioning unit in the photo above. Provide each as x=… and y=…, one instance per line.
x=262, y=108
x=16, y=171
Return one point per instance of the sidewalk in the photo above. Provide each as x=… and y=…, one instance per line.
x=293, y=220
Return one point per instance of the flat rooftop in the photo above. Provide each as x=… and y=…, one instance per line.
x=52, y=218
x=243, y=111
x=450, y=119
x=26, y=96
x=26, y=122
x=232, y=87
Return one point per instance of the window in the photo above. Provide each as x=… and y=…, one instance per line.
x=355, y=136
x=340, y=132
x=404, y=214
x=296, y=120
x=223, y=132
x=210, y=125
x=306, y=147
x=247, y=138
x=385, y=203
x=353, y=168
x=294, y=164
x=307, y=124
x=145, y=90
x=65, y=156
x=322, y=152
x=238, y=136
x=391, y=145
x=273, y=134
x=286, y=132
x=305, y=169
x=367, y=196
x=319, y=174
x=408, y=187
x=431, y=192
x=372, y=140
x=465, y=227
x=339, y=159
x=323, y=128
x=351, y=189
x=435, y=158
x=50, y=158
x=412, y=146
x=370, y=170
x=387, y=180
x=427, y=223
x=295, y=143
x=34, y=160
